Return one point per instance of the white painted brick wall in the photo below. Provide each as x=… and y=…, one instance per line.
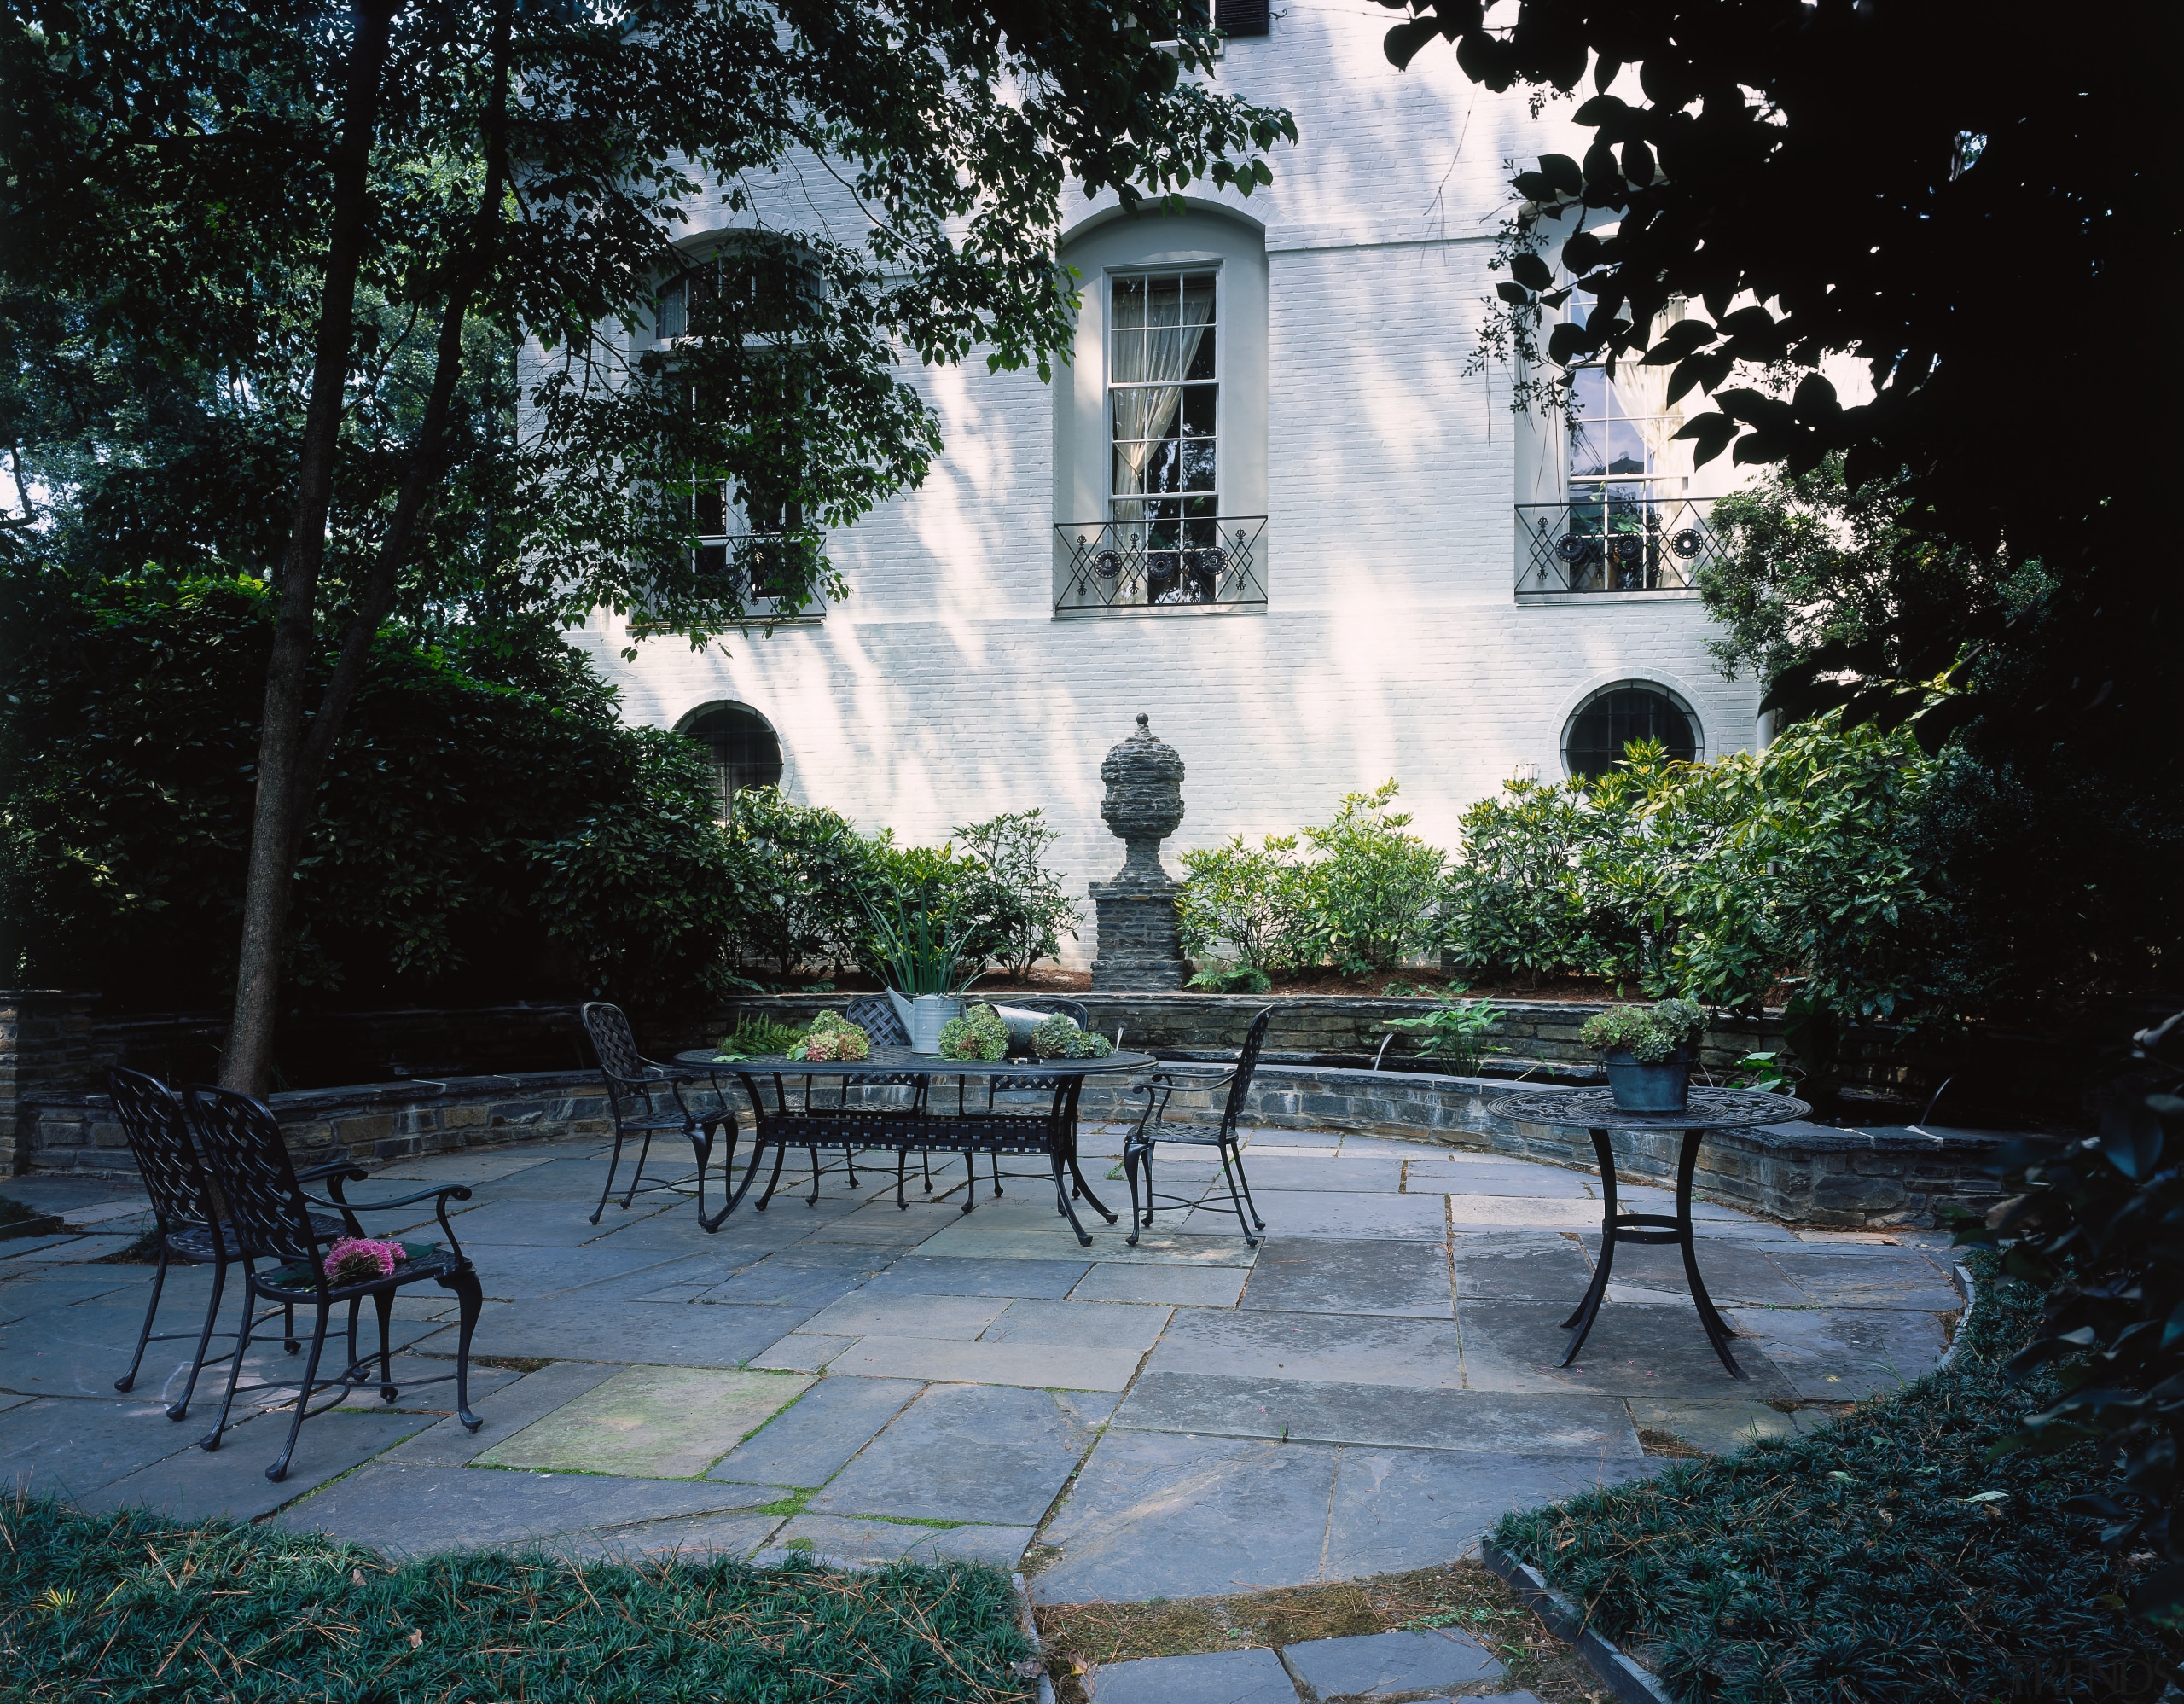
x=944, y=691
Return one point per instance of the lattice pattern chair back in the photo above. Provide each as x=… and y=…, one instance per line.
x=1247, y=1060
x=159, y=1137
x=612, y=1041
x=877, y=1018
x=239, y=1141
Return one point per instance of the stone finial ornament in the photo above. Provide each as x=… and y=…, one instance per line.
x=1145, y=801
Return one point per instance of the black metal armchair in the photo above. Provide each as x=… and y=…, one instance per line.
x=263, y=1206
x=183, y=1218
x=1152, y=1128
x=647, y=1099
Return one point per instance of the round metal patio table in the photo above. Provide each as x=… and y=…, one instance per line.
x=1595, y=1110
x=780, y=1123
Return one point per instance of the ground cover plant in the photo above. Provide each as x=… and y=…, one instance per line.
x=129, y=1606
x=1885, y=1557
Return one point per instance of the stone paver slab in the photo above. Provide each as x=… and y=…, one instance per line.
x=695, y=1536
x=801, y=1353
x=887, y=1541
x=1346, y=1274
x=1521, y=1265
x=121, y=1286
x=540, y=1224
x=778, y=1282
x=1387, y=1415
x=965, y=1237
x=650, y=1422
x=1134, y=1326
x=573, y=1328
x=483, y=1166
x=895, y=1314
x=1841, y=1354
x=1866, y=1278
x=966, y=1453
x=1046, y=1366
x=1344, y=1175
x=230, y=1483
x=1295, y=1212
x=513, y=1271
x=1252, y=1676
x=1343, y=1349
x=506, y=1412
x=1181, y=1286
x=1537, y=1183
x=1380, y=1665
x=1397, y=1509
x=1734, y=1269
x=413, y=1509
x=1168, y=1514
x=1522, y=1212
x=812, y=1439
x=58, y=1446
x=923, y=1274
x=1718, y=1426
x=1635, y=1349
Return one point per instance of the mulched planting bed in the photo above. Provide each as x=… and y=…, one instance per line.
x=1079, y=1637
x=128, y=1607
x=1881, y=1557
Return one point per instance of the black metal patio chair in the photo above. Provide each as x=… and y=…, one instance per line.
x=647, y=1100
x=263, y=1205
x=1153, y=1129
x=181, y=1218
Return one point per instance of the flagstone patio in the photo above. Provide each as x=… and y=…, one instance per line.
x=1368, y=1392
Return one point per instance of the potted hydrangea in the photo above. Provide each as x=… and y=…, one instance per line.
x=979, y=1033
x=1649, y=1052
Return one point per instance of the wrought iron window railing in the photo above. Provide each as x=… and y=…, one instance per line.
x=1160, y=563
x=1614, y=544
x=763, y=571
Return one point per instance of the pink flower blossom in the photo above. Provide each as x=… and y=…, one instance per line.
x=359, y=1259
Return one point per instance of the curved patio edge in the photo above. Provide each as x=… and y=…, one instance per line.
x=1800, y=1172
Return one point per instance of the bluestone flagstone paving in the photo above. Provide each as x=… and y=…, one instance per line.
x=1366, y=1391
x=1255, y=1677
x=1382, y=1665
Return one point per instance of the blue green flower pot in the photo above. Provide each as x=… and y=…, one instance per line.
x=1642, y=1088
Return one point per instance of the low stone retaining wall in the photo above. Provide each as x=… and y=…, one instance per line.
x=1805, y=1173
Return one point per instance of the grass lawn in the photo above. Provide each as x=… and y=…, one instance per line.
x=1884, y=1558
x=127, y=1607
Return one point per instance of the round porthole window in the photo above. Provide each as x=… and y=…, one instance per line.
x=743, y=745
x=1629, y=710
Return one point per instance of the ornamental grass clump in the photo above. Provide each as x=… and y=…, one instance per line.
x=979, y=1033
x=832, y=1036
x=1652, y=1035
x=1058, y=1036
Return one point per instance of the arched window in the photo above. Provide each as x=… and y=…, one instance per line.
x=746, y=751
x=1613, y=717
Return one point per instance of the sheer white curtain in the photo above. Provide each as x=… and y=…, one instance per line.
x=1644, y=394
x=1149, y=365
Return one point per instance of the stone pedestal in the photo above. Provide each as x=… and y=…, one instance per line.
x=1137, y=935
x=1136, y=910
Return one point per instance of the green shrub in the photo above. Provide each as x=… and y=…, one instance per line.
x=1649, y=1034
x=1528, y=894
x=1249, y=906
x=979, y=1033
x=1026, y=910
x=803, y=869
x=1374, y=887
x=1884, y=1557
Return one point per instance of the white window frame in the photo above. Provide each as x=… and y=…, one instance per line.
x=1219, y=326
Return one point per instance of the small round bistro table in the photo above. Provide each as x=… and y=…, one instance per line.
x=782, y=1117
x=1595, y=1110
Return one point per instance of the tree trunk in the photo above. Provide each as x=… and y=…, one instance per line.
x=247, y=1064
x=466, y=274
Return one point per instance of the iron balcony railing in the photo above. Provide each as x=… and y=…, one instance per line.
x=762, y=571
x=1614, y=544
x=1160, y=564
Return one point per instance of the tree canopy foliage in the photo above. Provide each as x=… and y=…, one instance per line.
x=274, y=282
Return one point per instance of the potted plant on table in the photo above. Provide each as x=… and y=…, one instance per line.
x=921, y=955
x=1649, y=1051
x=979, y=1033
